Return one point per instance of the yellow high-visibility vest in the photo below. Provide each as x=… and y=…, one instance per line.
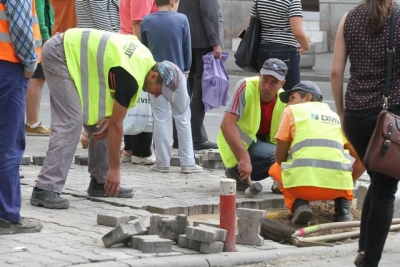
x=317, y=157
x=249, y=123
x=90, y=55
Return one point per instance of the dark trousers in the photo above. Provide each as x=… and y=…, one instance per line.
x=139, y=144
x=13, y=87
x=196, y=95
x=377, y=211
x=287, y=54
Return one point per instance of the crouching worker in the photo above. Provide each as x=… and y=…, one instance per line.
x=312, y=155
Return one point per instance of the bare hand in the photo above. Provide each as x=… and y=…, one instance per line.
x=112, y=183
x=301, y=50
x=245, y=168
x=102, y=133
x=28, y=74
x=217, y=51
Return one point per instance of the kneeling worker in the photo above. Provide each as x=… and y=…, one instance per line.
x=312, y=155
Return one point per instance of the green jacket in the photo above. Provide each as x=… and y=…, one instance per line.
x=45, y=16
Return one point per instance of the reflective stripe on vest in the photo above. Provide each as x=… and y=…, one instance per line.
x=90, y=55
x=249, y=123
x=317, y=157
x=7, y=51
x=103, y=88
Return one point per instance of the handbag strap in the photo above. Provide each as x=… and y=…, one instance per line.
x=389, y=58
x=257, y=14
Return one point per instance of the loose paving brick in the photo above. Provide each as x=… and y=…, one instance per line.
x=38, y=160
x=123, y=231
x=114, y=220
x=168, y=227
x=186, y=242
x=206, y=234
x=249, y=227
x=210, y=248
x=361, y=193
x=26, y=160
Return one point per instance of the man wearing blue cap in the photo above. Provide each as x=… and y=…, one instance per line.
x=312, y=155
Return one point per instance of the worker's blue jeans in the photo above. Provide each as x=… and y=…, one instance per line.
x=13, y=87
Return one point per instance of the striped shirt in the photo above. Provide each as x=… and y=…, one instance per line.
x=275, y=20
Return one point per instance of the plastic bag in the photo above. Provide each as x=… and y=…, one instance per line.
x=215, y=81
x=139, y=118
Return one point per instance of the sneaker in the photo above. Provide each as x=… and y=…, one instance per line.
x=275, y=188
x=205, y=145
x=39, y=130
x=24, y=226
x=241, y=185
x=359, y=259
x=302, y=213
x=48, y=199
x=160, y=169
x=97, y=190
x=191, y=169
x=150, y=160
x=125, y=158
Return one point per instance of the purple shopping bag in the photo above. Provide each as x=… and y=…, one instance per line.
x=215, y=81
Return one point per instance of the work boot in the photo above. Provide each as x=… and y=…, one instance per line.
x=23, y=226
x=48, y=199
x=241, y=185
x=342, y=210
x=302, y=212
x=97, y=190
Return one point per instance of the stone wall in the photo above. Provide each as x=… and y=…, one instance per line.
x=331, y=12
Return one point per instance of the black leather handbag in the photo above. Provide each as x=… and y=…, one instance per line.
x=246, y=54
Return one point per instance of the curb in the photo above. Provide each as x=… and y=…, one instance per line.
x=227, y=259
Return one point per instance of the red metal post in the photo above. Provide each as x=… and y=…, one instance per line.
x=227, y=211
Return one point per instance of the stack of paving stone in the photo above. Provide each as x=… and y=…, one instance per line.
x=203, y=238
x=210, y=159
x=155, y=235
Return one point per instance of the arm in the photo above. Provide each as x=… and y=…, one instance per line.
x=358, y=167
x=296, y=25
x=232, y=137
x=281, y=151
x=338, y=66
x=187, y=47
x=20, y=20
x=136, y=25
x=40, y=12
x=115, y=132
x=209, y=10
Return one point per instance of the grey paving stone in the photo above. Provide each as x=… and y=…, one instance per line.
x=122, y=232
x=212, y=223
x=114, y=220
x=213, y=154
x=157, y=245
x=38, y=160
x=168, y=227
x=210, y=248
x=26, y=160
x=205, y=233
x=249, y=227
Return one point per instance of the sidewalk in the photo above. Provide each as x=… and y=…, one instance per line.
x=319, y=73
x=73, y=237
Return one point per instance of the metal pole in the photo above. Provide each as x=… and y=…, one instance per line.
x=227, y=211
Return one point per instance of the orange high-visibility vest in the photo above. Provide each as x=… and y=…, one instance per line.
x=7, y=50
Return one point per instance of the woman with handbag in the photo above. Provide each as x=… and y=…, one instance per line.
x=362, y=37
x=282, y=35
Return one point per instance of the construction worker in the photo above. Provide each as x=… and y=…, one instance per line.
x=20, y=48
x=246, y=140
x=312, y=159
x=94, y=77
